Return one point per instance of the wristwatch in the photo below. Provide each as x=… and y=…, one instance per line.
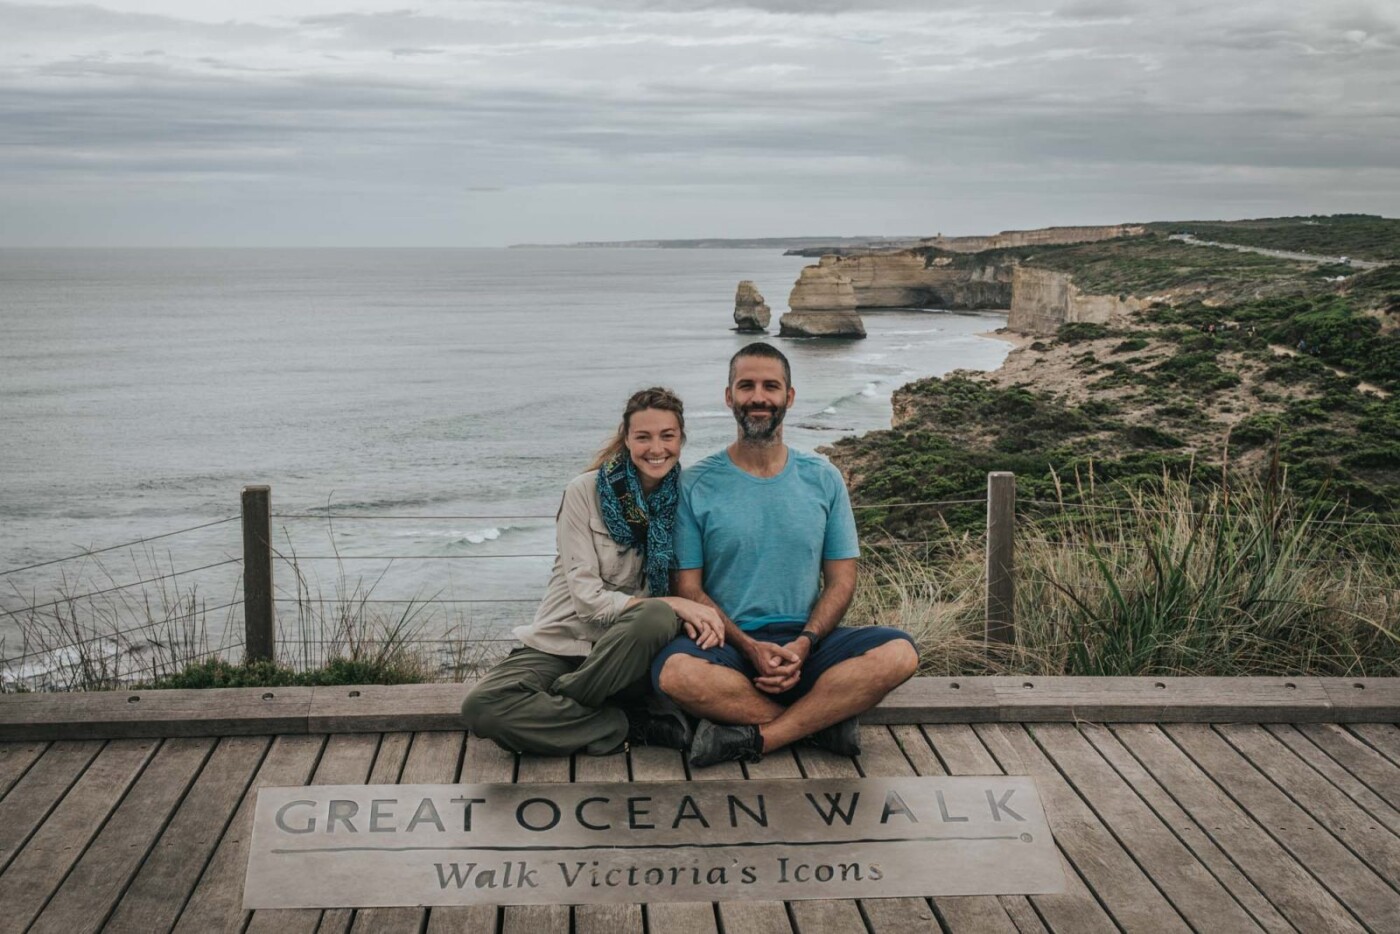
x=812, y=637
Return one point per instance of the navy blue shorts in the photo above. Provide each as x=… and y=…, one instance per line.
x=842, y=643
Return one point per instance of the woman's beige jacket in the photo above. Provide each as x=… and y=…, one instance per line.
x=592, y=580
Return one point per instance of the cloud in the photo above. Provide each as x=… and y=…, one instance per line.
x=801, y=107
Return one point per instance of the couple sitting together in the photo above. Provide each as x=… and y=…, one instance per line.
x=718, y=590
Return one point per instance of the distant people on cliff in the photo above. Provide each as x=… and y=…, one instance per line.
x=766, y=535
x=579, y=683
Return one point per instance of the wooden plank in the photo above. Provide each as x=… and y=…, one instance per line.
x=759, y=916
x=39, y=791
x=1021, y=913
x=422, y=707
x=1378, y=773
x=1158, y=700
x=40, y=867
x=389, y=759
x=98, y=879
x=605, y=919
x=1188, y=885
x=1343, y=780
x=1367, y=895
x=1300, y=785
x=154, y=899
x=882, y=756
x=963, y=753
x=346, y=761
x=388, y=765
x=434, y=757
x=484, y=761
x=15, y=760
x=658, y=764
x=539, y=919
x=1382, y=737
x=375, y=708
x=945, y=700
x=217, y=901
x=753, y=917
x=1363, y=700
x=1288, y=886
x=1170, y=813
x=894, y=914
x=145, y=714
x=1127, y=894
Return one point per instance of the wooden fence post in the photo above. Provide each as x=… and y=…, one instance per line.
x=259, y=637
x=1001, y=536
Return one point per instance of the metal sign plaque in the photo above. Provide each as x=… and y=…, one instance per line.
x=358, y=846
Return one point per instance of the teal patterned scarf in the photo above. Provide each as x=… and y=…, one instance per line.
x=638, y=521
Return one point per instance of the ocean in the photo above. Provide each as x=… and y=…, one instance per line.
x=435, y=401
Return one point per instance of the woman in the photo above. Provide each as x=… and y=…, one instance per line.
x=580, y=681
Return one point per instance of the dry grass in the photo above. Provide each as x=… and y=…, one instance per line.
x=157, y=633
x=1243, y=581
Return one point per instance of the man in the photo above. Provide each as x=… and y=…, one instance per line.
x=765, y=534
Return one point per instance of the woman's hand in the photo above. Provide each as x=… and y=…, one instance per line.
x=702, y=623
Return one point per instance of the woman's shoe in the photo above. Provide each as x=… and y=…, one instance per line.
x=658, y=722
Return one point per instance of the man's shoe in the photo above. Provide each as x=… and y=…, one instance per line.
x=658, y=722
x=716, y=742
x=841, y=738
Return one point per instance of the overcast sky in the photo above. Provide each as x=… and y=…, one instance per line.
x=461, y=123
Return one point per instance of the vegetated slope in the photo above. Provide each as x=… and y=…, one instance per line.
x=1361, y=236
x=1192, y=387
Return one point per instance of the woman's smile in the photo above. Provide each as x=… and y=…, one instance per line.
x=654, y=444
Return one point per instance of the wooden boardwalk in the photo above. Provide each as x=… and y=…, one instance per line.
x=1285, y=817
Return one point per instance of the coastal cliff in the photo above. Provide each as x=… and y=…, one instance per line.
x=1147, y=358
x=912, y=279
x=1042, y=301
x=1044, y=236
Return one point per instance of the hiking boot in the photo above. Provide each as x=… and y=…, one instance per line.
x=658, y=722
x=717, y=742
x=841, y=738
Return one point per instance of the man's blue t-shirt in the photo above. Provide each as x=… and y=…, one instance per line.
x=761, y=540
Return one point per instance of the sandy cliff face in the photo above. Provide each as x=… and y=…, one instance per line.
x=1044, y=236
x=1042, y=300
x=823, y=304
x=902, y=279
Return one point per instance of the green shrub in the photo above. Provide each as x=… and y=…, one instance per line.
x=218, y=673
x=1078, y=331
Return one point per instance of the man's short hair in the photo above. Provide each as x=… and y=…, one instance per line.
x=760, y=349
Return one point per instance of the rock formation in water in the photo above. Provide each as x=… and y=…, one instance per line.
x=750, y=311
x=823, y=304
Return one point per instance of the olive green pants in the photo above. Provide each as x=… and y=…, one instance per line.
x=555, y=705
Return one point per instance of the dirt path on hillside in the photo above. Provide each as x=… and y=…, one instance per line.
x=1282, y=351
x=1282, y=254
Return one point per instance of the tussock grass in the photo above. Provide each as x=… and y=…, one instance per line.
x=157, y=636
x=1242, y=580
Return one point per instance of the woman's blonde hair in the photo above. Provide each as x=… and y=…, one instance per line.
x=657, y=397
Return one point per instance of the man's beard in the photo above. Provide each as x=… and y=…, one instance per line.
x=760, y=431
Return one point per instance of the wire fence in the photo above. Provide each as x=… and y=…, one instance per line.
x=167, y=612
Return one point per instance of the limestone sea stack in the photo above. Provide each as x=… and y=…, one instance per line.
x=823, y=304
x=751, y=313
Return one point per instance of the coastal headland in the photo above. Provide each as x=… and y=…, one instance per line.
x=1142, y=355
